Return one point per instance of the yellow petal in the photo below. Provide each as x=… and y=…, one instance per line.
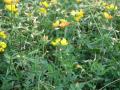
x=11, y=8
x=64, y=42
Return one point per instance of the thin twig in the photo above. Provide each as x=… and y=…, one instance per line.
x=109, y=84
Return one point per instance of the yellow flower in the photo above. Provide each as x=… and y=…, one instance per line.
x=64, y=42
x=1, y=50
x=77, y=14
x=111, y=7
x=64, y=24
x=2, y=46
x=53, y=43
x=77, y=18
x=45, y=4
x=80, y=13
x=59, y=41
x=107, y=15
x=11, y=1
x=56, y=24
x=56, y=42
x=43, y=10
x=63, y=20
x=11, y=8
x=3, y=35
x=61, y=23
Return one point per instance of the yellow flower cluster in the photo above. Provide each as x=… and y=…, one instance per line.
x=10, y=5
x=44, y=5
x=61, y=23
x=107, y=15
x=11, y=8
x=109, y=6
x=11, y=1
x=43, y=11
x=60, y=41
x=2, y=44
x=3, y=35
x=77, y=14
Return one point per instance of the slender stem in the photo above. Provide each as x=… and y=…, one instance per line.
x=109, y=84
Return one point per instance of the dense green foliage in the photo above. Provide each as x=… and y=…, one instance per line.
x=90, y=61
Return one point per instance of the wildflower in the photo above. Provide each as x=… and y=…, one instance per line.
x=45, y=4
x=11, y=8
x=3, y=35
x=2, y=46
x=64, y=42
x=77, y=18
x=80, y=13
x=61, y=23
x=111, y=7
x=77, y=14
x=53, y=43
x=1, y=50
x=64, y=24
x=43, y=10
x=63, y=20
x=59, y=41
x=11, y=1
x=56, y=24
x=56, y=42
x=107, y=15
